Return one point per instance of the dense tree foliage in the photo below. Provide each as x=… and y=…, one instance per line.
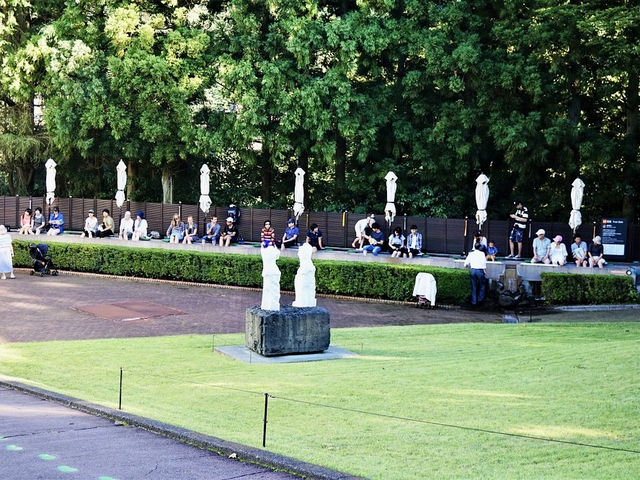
x=533, y=93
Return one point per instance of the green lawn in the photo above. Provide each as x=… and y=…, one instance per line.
x=576, y=382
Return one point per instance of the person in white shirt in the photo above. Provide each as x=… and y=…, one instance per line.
x=90, y=225
x=360, y=227
x=477, y=260
x=126, y=226
x=140, y=227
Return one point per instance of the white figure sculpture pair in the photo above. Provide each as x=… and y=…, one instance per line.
x=305, y=281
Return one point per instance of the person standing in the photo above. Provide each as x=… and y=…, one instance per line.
x=360, y=227
x=6, y=254
x=477, y=260
x=520, y=218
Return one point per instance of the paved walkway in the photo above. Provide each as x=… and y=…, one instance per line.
x=42, y=439
x=83, y=306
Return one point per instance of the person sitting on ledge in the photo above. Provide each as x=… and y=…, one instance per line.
x=396, y=243
x=107, y=227
x=175, y=232
x=90, y=224
x=267, y=234
x=38, y=221
x=579, y=252
x=492, y=251
x=541, y=246
x=414, y=242
x=314, y=237
x=558, y=251
x=596, y=256
x=191, y=231
x=212, y=232
x=229, y=233
x=290, y=237
x=376, y=240
x=126, y=226
x=140, y=227
x=56, y=222
x=26, y=222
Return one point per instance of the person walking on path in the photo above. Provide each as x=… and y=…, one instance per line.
x=477, y=260
x=520, y=218
x=6, y=254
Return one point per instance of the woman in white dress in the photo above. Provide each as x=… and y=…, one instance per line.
x=558, y=251
x=6, y=254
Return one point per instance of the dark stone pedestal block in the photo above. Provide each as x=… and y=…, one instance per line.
x=291, y=330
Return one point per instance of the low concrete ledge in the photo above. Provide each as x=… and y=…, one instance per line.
x=242, y=453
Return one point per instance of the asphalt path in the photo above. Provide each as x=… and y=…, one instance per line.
x=40, y=439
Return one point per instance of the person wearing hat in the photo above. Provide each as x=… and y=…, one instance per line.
x=595, y=253
x=6, y=254
x=291, y=233
x=56, y=222
x=229, y=233
x=90, y=224
x=541, y=247
x=360, y=227
x=520, y=218
x=140, y=227
x=558, y=251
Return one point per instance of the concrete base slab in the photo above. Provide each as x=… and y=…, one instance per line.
x=245, y=355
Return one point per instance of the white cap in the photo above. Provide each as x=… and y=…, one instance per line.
x=540, y=232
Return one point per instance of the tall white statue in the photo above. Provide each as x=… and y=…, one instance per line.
x=305, y=281
x=270, y=279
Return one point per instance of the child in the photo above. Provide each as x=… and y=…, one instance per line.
x=267, y=234
x=492, y=251
x=26, y=222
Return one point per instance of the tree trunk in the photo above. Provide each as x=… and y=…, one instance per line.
x=131, y=179
x=167, y=186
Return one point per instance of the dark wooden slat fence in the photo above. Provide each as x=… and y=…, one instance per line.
x=441, y=235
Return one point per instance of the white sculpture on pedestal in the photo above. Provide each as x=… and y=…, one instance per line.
x=270, y=279
x=305, y=281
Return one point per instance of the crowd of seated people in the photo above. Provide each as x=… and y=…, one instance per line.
x=369, y=236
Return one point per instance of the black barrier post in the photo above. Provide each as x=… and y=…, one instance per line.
x=120, y=395
x=464, y=242
x=264, y=422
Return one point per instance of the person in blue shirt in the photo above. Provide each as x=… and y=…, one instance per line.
x=314, y=237
x=376, y=240
x=290, y=237
x=56, y=222
x=212, y=232
x=492, y=251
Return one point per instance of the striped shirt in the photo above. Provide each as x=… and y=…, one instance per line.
x=521, y=213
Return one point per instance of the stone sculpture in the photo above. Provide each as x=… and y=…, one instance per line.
x=305, y=281
x=270, y=279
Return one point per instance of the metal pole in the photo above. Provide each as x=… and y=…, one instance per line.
x=594, y=230
x=464, y=242
x=120, y=396
x=264, y=424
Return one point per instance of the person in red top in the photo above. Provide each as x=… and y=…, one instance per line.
x=267, y=234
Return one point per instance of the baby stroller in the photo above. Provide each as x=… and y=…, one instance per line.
x=42, y=263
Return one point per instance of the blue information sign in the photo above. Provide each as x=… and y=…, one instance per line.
x=614, y=236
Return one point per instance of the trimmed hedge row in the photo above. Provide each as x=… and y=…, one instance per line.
x=566, y=288
x=356, y=279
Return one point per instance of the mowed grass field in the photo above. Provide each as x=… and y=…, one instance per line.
x=443, y=401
